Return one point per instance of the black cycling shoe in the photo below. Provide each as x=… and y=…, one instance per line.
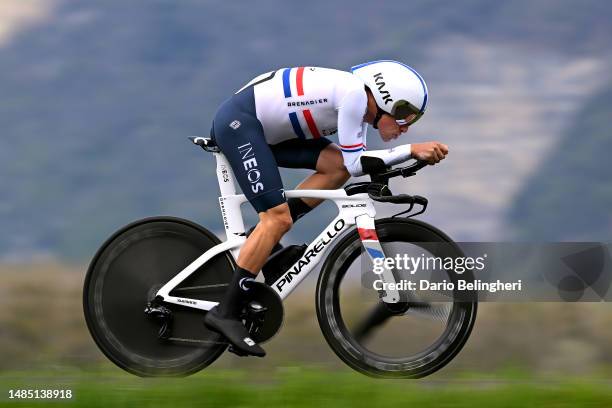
x=235, y=332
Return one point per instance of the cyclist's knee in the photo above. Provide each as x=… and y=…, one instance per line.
x=341, y=175
x=331, y=163
x=277, y=219
x=338, y=174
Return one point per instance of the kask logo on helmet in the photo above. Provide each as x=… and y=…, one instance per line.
x=394, y=85
x=380, y=83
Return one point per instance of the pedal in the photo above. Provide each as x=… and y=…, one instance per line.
x=263, y=312
x=255, y=315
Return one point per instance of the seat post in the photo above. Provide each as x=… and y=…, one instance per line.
x=229, y=202
x=225, y=175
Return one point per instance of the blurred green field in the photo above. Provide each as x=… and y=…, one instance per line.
x=42, y=324
x=300, y=387
x=527, y=355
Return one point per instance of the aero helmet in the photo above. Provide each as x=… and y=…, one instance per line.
x=398, y=89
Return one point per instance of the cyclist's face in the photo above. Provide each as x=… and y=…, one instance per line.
x=389, y=128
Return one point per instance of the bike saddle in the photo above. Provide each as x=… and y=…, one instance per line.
x=205, y=143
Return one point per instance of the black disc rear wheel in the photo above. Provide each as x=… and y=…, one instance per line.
x=124, y=276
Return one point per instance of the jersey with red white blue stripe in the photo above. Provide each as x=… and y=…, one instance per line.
x=313, y=102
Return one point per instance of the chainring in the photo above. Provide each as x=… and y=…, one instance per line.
x=265, y=324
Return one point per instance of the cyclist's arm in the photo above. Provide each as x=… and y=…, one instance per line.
x=392, y=156
x=352, y=135
x=352, y=130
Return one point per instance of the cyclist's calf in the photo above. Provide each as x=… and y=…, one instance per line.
x=273, y=224
x=276, y=221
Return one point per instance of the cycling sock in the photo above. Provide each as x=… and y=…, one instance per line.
x=298, y=208
x=233, y=301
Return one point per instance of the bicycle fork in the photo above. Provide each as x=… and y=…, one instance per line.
x=372, y=246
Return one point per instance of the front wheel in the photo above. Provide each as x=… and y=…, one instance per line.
x=406, y=340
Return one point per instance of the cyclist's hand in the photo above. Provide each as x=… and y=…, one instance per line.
x=431, y=152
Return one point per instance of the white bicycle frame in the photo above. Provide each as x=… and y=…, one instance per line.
x=354, y=209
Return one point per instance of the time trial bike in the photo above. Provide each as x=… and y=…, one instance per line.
x=150, y=284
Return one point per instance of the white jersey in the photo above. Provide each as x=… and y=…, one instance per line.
x=313, y=102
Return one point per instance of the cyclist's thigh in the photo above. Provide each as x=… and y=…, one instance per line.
x=240, y=137
x=299, y=153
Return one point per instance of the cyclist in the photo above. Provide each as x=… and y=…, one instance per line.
x=282, y=119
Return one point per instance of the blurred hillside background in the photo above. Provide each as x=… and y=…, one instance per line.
x=98, y=97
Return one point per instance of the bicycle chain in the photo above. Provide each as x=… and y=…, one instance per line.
x=197, y=341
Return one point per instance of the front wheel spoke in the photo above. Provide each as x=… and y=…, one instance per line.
x=375, y=317
x=439, y=312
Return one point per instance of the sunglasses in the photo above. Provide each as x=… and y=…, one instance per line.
x=405, y=114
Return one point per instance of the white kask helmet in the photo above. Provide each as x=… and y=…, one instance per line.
x=398, y=89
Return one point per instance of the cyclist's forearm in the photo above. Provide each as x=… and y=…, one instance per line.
x=391, y=157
